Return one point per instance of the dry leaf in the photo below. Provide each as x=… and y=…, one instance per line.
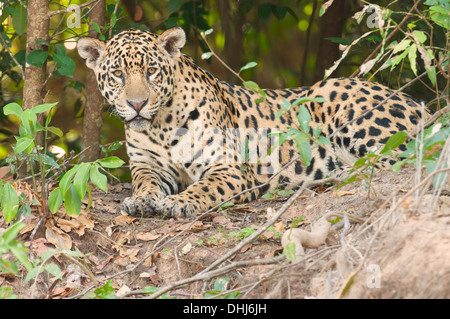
x=57, y=237
x=27, y=228
x=221, y=220
x=187, y=248
x=123, y=290
x=123, y=219
x=279, y=227
x=146, y=236
x=39, y=246
x=127, y=256
x=4, y=171
x=342, y=193
x=246, y=247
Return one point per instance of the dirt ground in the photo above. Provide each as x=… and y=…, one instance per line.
x=392, y=245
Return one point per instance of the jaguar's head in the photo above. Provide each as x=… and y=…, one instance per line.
x=135, y=71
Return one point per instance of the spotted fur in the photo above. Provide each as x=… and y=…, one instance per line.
x=177, y=116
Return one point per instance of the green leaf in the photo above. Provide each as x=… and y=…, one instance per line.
x=206, y=55
x=55, y=131
x=20, y=251
x=264, y=10
x=304, y=149
x=97, y=27
x=394, y=141
x=65, y=182
x=13, y=108
x=289, y=252
x=251, y=85
x=412, y=56
x=81, y=178
x=12, y=232
x=66, y=66
x=105, y=292
x=22, y=144
x=420, y=36
x=54, y=270
x=209, y=31
x=55, y=200
x=19, y=19
x=248, y=66
x=401, y=46
x=9, y=202
x=37, y=57
x=98, y=179
x=72, y=201
x=304, y=117
x=173, y=5
x=43, y=108
x=431, y=71
x=111, y=162
x=29, y=120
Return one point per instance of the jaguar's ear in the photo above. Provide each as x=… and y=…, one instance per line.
x=173, y=40
x=91, y=50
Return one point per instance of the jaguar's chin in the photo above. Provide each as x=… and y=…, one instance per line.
x=139, y=124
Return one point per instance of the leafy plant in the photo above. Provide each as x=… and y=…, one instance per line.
x=364, y=167
x=220, y=286
x=73, y=184
x=303, y=134
x=426, y=150
x=104, y=292
x=8, y=243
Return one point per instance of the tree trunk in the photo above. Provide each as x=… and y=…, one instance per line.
x=231, y=23
x=332, y=23
x=35, y=77
x=92, y=124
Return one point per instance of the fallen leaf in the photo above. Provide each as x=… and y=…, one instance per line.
x=39, y=246
x=127, y=256
x=221, y=220
x=123, y=290
x=123, y=219
x=198, y=226
x=187, y=248
x=27, y=228
x=279, y=227
x=342, y=193
x=4, y=172
x=57, y=237
x=406, y=203
x=146, y=236
x=246, y=247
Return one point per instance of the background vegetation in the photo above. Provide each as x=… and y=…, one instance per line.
x=293, y=42
x=280, y=43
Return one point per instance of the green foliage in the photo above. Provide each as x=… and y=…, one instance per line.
x=426, y=150
x=73, y=184
x=364, y=167
x=221, y=286
x=8, y=242
x=303, y=134
x=104, y=292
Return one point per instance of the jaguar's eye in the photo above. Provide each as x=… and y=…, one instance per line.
x=118, y=73
x=151, y=71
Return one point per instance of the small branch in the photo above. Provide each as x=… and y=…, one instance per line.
x=272, y=220
x=67, y=10
x=12, y=56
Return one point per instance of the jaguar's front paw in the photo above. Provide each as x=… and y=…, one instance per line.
x=174, y=206
x=140, y=206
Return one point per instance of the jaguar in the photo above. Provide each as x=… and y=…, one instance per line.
x=195, y=141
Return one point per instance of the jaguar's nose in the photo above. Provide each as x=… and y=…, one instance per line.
x=136, y=105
